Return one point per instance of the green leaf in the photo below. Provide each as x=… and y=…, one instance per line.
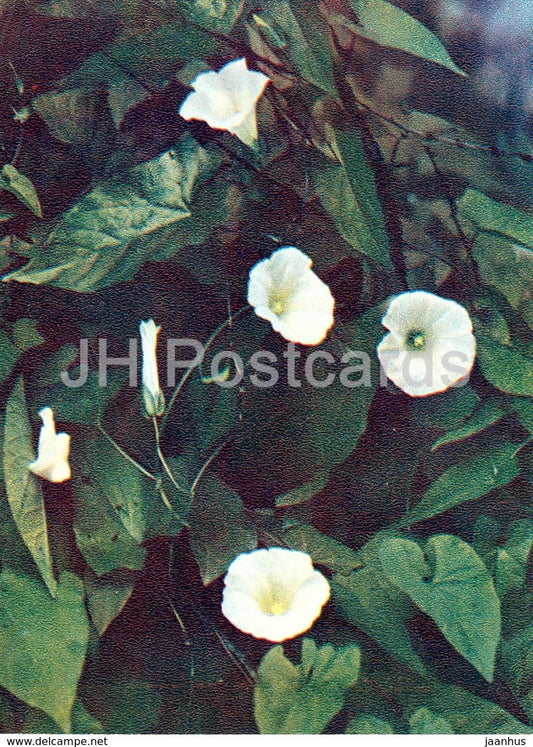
x=44, y=641
x=485, y=416
x=289, y=433
x=70, y=116
x=8, y=356
x=13, y=181
x=62, y=359
x=104, y=507
x=508, y=267
x=516, y=659
x=524, y=412
x=493, y=216
x=106, y=598
x=445, y=410
x=369, y=601
x=101, y=240
x=323, y=549
x=122, y=96
x=424, y=721
x=304, y=492
x=467, y=713
x=25, y=335
x=312, y=63
x=129, y=492
x=367, y=724
x=82, y=721
x=218, y=528
x=60, y=8
x=511, y=560
x=485, y=537
x=85, y=404
x=163, y=522
x=489, y=319
x=23, y=489
x=465, y=481
x=454, y=588
x=504, y=366
x=391, y=27
x=316, y=33
x=215, y=15
x=347, y=192
x=150, y=56
x=214, y=412
x=303, y=698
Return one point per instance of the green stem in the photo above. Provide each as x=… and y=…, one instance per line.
x=125, y=454
x=227, y=323
x=519, y=449
x=164, y=463
x=205, y=466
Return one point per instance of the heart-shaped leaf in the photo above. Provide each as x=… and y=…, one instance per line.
x=23, y=489
x=43, y=641
x=303, y=698
x=454, y=588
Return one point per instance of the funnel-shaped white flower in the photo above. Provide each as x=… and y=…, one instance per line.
x=285, y=291
x=153, y=398
x=273, y=594
x=430, y=346
x=52, y=451
x=226, y=100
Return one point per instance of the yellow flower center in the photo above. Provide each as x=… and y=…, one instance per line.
x=278, y=608
x=279, y=299
x=274, y=601
x=416, y=340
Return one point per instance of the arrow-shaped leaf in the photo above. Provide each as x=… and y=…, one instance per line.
x=23, y=489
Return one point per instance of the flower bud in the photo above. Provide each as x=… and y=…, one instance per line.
x=153, y=398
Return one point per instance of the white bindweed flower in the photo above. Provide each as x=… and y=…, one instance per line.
x=430, y=346
x=52, y=451
x=227, y=100
x=285, y=291
x=153, y=398
x=273, y=594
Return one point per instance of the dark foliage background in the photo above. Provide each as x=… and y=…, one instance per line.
x=396, y=161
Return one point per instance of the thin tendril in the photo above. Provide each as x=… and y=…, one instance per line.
x=121, y=451
x=227, y=323
x=165, y=466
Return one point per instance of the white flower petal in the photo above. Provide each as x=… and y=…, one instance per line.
x=426, y=308
x=288, y=263
x=312, y=594
x=196, y=106
x=304, y=327
x=247, y=85
x=311, y=293
x=152, y=394
x=446, y=347
x=273, y=594
x=226, y=100
x=52, y=451
x=455, y=318
x=233, y=73
x=454, y=358
x=286, y=292
x=246, y=130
